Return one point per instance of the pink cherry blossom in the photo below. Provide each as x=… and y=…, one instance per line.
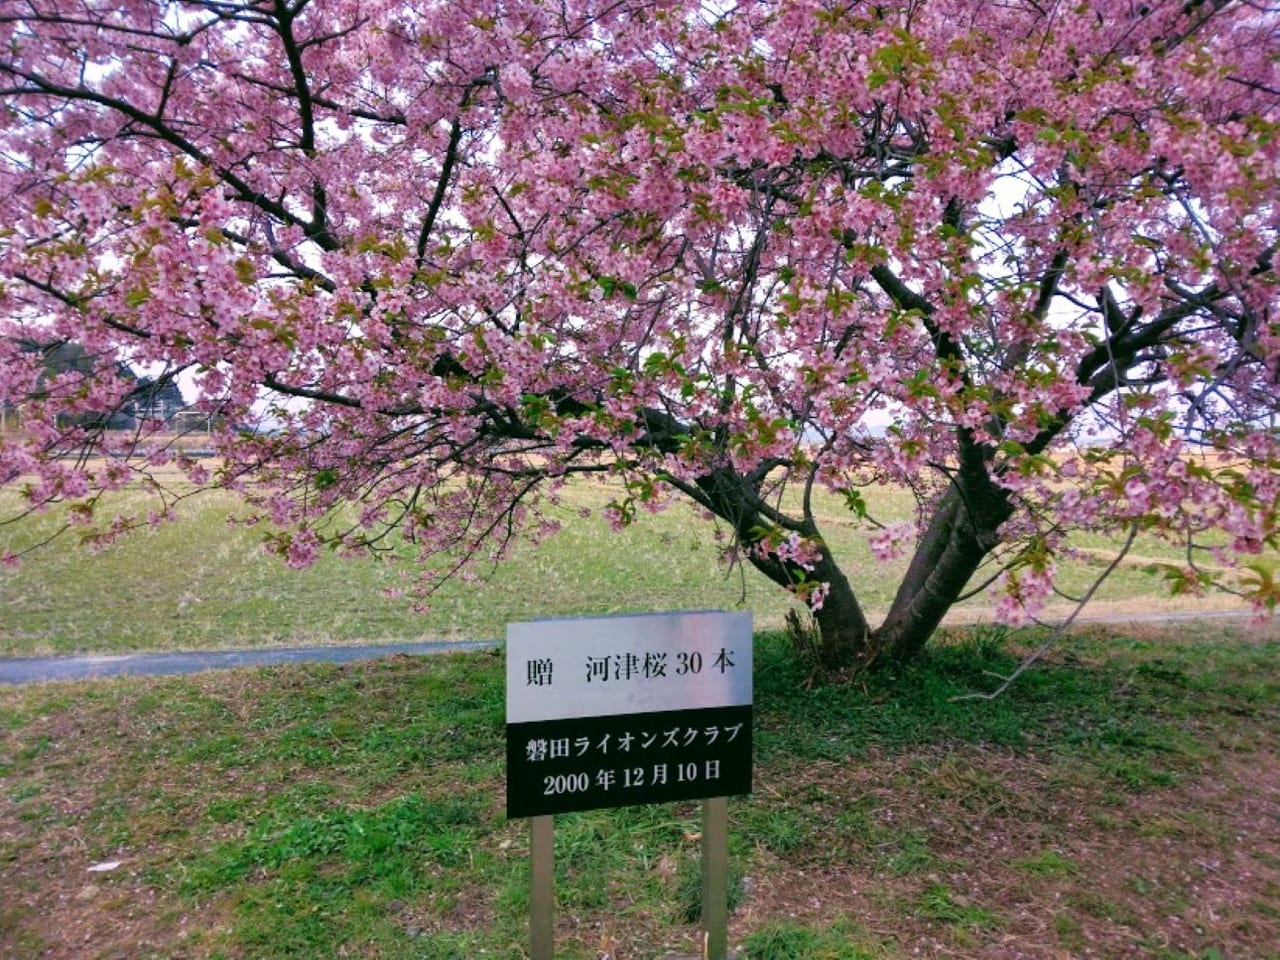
x=437, y=259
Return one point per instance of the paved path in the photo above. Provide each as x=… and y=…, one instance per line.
x=33, y=669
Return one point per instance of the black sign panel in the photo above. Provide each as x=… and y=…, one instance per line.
x=588, y=763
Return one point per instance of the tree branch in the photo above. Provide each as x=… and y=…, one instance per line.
x=1058, y=631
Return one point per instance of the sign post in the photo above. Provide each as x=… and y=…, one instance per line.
x=618, y=711
x=715, y=877
x=541, y=888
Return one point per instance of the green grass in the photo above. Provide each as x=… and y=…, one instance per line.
x=937, y=902
x=202, y=583
x=357, y=811
x=787, y=940
x=216, y=587
x=1050, y=863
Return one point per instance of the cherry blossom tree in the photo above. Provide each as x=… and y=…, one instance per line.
x=454, y=252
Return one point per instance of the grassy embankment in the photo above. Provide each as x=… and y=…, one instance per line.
x=203, y=583
x=1123, y=799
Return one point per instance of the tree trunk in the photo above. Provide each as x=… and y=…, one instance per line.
x=962, y=531
x=845, y=636
x=844, y=633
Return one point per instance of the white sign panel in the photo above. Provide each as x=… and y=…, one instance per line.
x=608, y=666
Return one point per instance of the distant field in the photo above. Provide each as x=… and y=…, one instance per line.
x=203, y=583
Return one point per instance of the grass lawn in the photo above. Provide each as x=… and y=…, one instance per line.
x=1123, y=799
x=202, y=583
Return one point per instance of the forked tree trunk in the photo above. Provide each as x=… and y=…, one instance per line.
x=962, y=531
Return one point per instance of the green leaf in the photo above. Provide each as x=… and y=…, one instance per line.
x=855, y=502
x=612, y=285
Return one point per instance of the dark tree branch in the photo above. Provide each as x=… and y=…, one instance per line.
x=166, y=133
x=441, y=189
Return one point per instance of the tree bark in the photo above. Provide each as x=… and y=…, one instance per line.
x=845, y=637
x=962, y=531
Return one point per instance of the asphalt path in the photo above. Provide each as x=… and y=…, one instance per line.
x=14, y=670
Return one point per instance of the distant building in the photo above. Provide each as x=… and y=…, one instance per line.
x=155, y=400
x=194, y=420
x=151, y=400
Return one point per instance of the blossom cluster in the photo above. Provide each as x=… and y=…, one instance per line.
x=436, y=258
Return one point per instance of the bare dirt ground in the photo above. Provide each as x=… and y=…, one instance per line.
x=1035, y=867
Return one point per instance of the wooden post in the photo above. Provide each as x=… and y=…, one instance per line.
x=715, y=878
x=542, y=894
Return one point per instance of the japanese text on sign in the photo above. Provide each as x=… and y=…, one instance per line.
x=616, y=711
x=611, y=665
x=631, y=666
x=554, y=766
x=543, y=749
